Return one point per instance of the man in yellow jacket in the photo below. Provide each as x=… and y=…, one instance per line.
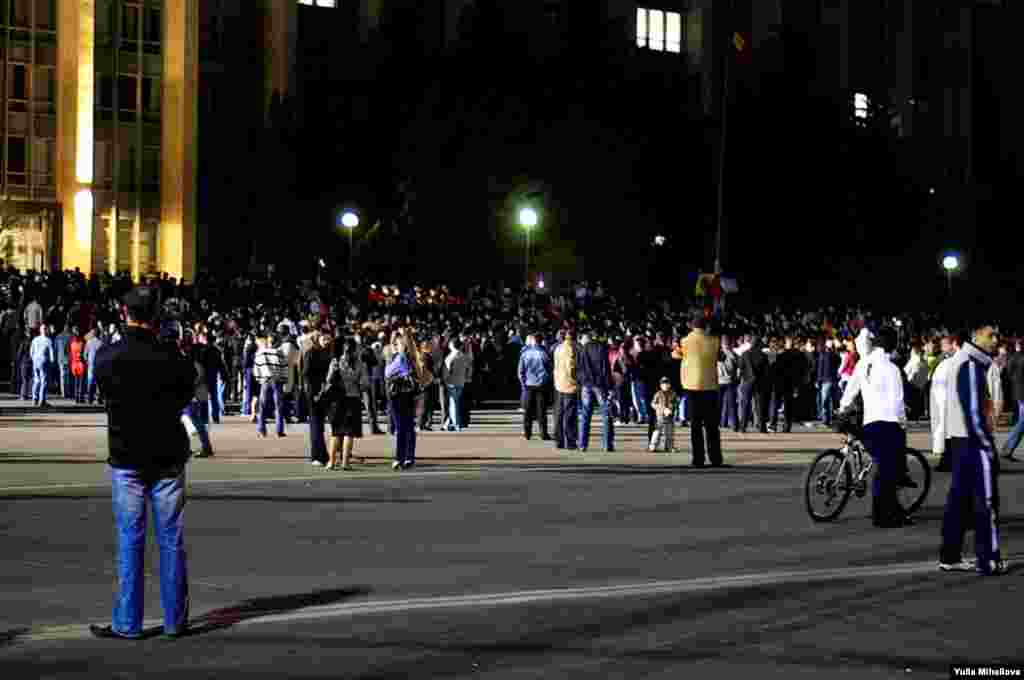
x=699, y=377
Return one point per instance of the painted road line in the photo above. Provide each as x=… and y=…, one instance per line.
x=528, y=597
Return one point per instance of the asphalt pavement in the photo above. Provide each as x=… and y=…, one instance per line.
x=495, y=557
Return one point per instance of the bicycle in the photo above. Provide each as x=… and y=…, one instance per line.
x=836, y=474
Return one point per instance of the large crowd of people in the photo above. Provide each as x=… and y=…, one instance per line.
x=267, y=344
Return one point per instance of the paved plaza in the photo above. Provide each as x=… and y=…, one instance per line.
x=495, y=557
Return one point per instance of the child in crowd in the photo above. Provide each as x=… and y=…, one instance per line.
x=664, y=405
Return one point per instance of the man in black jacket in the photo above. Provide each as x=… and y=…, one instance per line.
x=754, y=390
x=790, y=372
x=147, y=384
x=594, y=375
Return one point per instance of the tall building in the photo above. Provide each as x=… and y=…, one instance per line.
x=99, y=134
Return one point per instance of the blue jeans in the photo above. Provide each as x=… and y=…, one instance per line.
x=199, y=412
x=825, y=403
x=592, y=397
x=683, y=413
x=40, y=382
x=455, y=406
x=727, y=398
x=247, y=393
x=216, y=400
x=66, y=389
x=270, y=391
x=27, y=373
x=403, y=411
x=91, y=389
x=132, y=491
x=639, y=403
x=1017, y=432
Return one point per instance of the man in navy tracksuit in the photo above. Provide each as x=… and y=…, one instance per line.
x=973, y=494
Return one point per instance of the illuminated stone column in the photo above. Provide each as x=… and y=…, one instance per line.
x=176, y=238
x=137, y=246
x=281, y=22
x=76, y=30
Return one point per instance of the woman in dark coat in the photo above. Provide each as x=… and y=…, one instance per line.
x=314, y=375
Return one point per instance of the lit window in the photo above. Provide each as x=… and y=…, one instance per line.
x=319, y=3
x=659, y=30
x=657, y=34
x=861, y=105
x=673, y=31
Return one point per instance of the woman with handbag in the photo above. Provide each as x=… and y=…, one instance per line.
x=401, y=384
x=347, y=377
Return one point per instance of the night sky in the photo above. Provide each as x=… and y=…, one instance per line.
x=615, y=150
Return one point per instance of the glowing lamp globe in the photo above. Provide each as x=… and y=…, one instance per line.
x=350, y=220
x=950, y=263
x=528, y=217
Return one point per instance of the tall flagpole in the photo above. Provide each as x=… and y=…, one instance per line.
x=721, y=163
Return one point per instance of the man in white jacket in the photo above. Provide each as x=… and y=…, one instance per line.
x=950, y=345
x=879, y=381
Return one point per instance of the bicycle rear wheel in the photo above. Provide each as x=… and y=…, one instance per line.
x=828, y=486
x=913, y=488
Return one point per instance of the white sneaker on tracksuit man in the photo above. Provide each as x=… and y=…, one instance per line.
x=970, y=446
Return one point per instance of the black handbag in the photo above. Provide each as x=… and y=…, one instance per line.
x=400, y=385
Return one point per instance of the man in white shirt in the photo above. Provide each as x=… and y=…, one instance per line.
x=950, y=345
x=879, y=381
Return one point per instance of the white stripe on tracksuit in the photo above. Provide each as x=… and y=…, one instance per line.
x=987, y=447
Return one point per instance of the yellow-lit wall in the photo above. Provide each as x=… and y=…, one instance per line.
x=75, y=128
x=176, y=240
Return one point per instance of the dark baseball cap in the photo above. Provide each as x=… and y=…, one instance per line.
x=142, y=302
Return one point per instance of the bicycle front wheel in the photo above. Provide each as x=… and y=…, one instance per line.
x=912, y=490
x=828, y=486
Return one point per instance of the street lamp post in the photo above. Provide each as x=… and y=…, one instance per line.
x=950, y=263
x=350, y=221
x=528, y=219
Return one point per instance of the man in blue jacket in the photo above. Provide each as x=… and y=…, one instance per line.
x=534, y=373
x=594, y=374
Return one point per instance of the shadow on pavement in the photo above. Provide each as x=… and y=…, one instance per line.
x=225, y=617
x=9, y=636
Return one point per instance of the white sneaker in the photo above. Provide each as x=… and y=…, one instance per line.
x=962, y=565
x=316, y=463
x=396, y=465
x=651, y=449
